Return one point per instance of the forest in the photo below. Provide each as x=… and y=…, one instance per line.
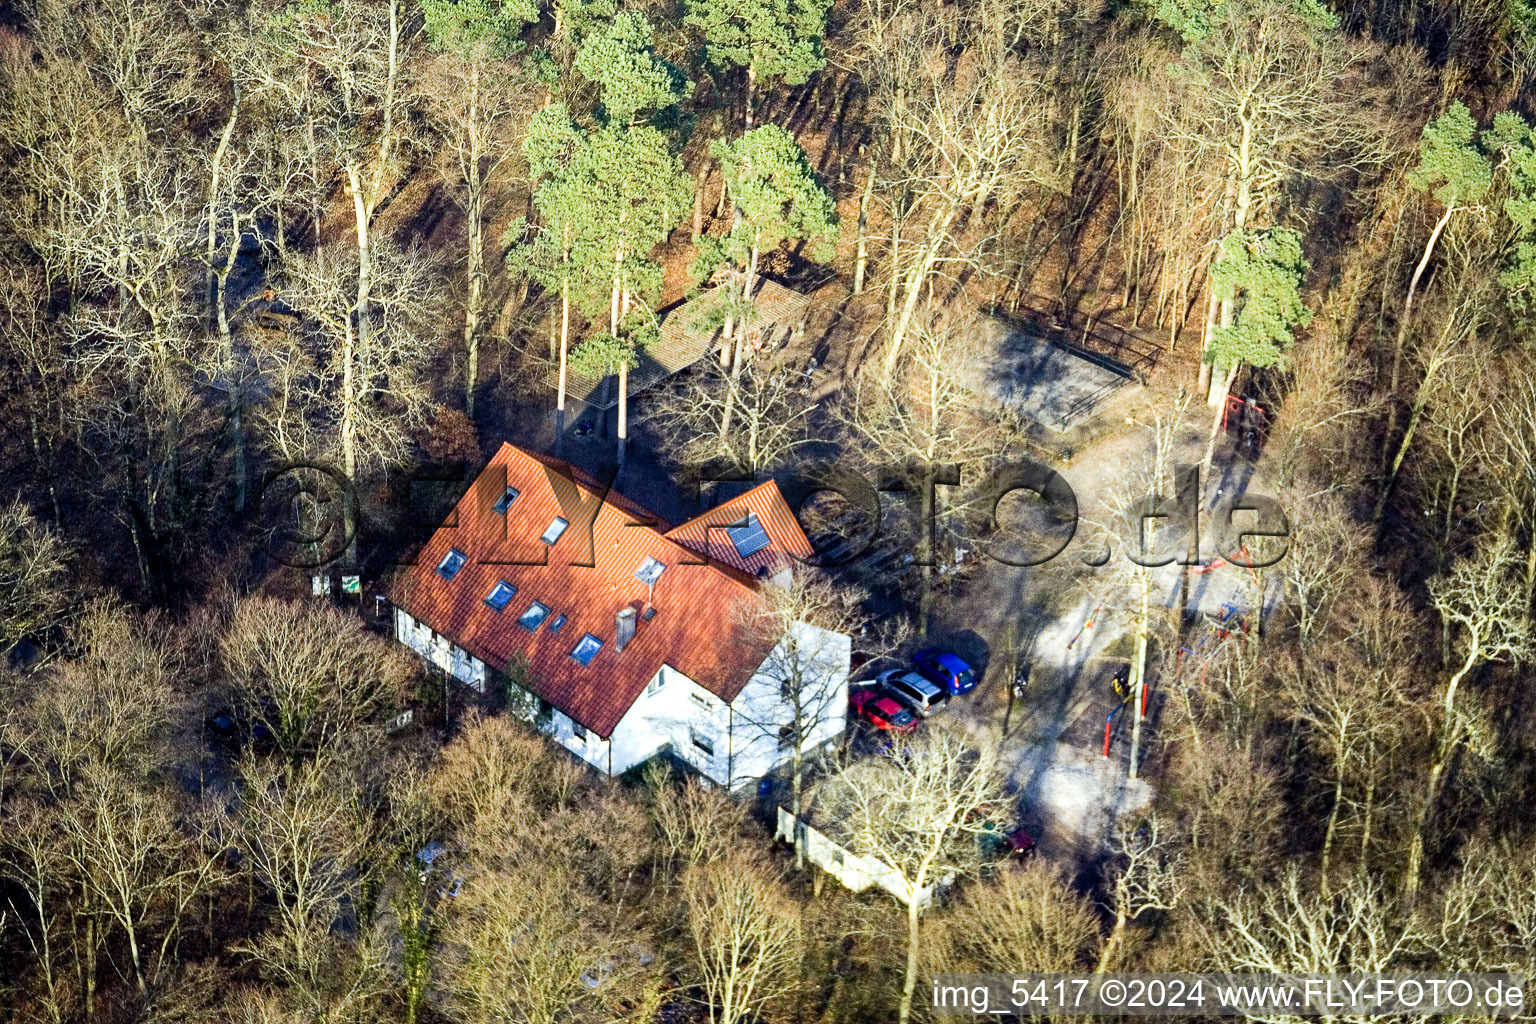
x=379, y=238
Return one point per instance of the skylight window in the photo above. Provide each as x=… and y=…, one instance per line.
x=587, y=649
x=500, y=595
x=749, y=539
x=452, y=562
x=533, y=617
x=554, y=627
x=556, y=528
x=508, y=496
x=650, y=571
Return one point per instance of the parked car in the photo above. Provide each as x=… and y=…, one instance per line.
x=923, y=696
x=881, y=711
x=1001, y=842
x=948, y=670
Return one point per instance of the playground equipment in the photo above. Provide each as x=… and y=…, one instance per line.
x=1109, y=720
x=1086, y=626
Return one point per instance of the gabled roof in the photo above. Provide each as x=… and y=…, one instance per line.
x=711, y=532
x=681, y=344
x=696, y=628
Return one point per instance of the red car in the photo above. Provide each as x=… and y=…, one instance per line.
x=881, y=711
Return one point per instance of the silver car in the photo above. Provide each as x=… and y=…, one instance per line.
x=923, y=696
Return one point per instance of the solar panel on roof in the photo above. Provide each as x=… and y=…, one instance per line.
x=749, y=539
x=650, y=571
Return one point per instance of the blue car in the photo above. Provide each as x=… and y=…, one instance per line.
x=947, y=670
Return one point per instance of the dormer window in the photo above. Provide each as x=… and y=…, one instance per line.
x=508, y=496
x=587, y=649
x=500, y=595
x=650, y=571
x=533, y=617
x=748, y=539
x=452, y=562
x=556, y=528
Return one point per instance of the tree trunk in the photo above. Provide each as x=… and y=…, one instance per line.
x=796, y=781
x=1447, y=740
x=474, y=210
x=1139, y=670
x=1402, y=322
x=214, y=185
x=565, y=339
x=1213, y=304
x=914, y=288
x=909, y=981
x=623, y=409
x=1414, y=416
x=1333, y=822
x=751, y=83
x=1116, y=931
x=1216, y=422
x=698, y=200
x=861, y=258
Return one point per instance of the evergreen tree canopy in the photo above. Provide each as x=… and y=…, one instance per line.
x=1263, y=270
x=1450, y=160
x=552, y=141
x=606, y=200
x=466, y=27
x=772, y=37
x=621, y=60
x=1512, y=138
x=1193, y=20
x=769, y=179
x=605, y=353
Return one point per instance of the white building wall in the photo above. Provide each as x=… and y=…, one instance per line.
x=762, y=710
x=731, y=744
x=855, y=871
x=659, y=716
x=439, y=650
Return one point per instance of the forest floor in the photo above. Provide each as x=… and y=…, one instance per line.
x=1052, y=740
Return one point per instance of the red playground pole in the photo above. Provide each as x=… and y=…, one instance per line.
x=1106, y=734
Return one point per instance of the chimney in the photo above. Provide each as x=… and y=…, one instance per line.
x=625, y=623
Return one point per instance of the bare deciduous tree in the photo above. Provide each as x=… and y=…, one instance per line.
x=920, y=810
x=746, y=936
x=1487, y=602
x=1147, y=877
x=308, y=673
x=1030, y=919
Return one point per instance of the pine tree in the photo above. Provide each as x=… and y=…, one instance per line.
x=621, y=60
x=605, y=202
x=607, y=353
x=1262, y=271
x=769, y=38
x=778, y=199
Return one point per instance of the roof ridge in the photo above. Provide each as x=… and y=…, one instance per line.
x=727, y=573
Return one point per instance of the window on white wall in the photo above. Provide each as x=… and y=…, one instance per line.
x=579, y=730
x=702, y=741
x=655, y=685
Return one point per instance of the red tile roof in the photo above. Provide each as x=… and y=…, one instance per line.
x=766, y=505
x=696, y=629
